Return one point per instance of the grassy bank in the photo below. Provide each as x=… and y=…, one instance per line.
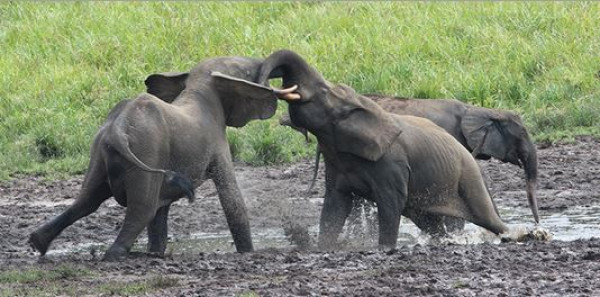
x=64, y=65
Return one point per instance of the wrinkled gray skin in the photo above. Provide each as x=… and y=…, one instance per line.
x=484, y=132
x=407, y=165
x=183, y=131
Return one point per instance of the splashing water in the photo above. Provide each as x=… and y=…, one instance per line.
x=360, y=232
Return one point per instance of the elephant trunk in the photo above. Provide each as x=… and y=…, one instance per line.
x=292, y=69
x=529, y=162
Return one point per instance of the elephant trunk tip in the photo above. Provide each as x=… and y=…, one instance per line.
x=532, y=199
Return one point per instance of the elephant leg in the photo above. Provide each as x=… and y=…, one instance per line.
x=336, y=208
x=142, y=190
x=432, y=224
x=391, y=197
x=483, y=210
x=330, y=178
x=233, y=205
x=388, y=214
x=94, y=191
x=158, y=231
x=454, y=224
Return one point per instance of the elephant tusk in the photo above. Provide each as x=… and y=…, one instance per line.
x=287, y=94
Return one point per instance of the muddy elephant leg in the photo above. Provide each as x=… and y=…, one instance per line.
x=142, y=201
x=388, y=213
x=484, y=212
x=454, y=224
x=158, y=231
x=432, y=224
x=330, y=178
x=336, y=207
x=94, y=191
x=233, y=205
x=391, y=202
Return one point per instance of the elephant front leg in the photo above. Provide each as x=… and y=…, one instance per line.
x=158, y=232
x=336, y=207
x=389, y=222
x=233, y=205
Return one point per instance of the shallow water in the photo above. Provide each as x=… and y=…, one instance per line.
x=360, y=232
x=568, y=225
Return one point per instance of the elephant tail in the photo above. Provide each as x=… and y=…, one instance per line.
x=120, y=143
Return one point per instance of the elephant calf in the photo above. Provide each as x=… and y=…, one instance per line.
x=484, y=132
x=407, y=165
x=183, y=131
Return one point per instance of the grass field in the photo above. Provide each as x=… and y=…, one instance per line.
x=64, y=65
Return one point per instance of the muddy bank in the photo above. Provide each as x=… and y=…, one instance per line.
x=569, y=182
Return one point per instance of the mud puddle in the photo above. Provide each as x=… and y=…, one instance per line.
x=360, y=233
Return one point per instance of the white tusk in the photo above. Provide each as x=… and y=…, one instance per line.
x=291, y=97
x=288, y=94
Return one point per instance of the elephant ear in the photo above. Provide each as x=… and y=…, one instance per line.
x=244, y=100
x=166, y=86
x=484, y=132
x=367, y=131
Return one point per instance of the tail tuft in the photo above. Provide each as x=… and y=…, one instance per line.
x=181, y=181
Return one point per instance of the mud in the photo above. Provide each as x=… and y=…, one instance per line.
x=200, y=261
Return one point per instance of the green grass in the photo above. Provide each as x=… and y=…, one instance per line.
x=64, y=65
x=37, y=282
x=37, y=275
x=66, y=280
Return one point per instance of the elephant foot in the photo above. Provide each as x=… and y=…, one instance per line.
x=386, y=246
x=329, y=245
x=156, y=250
x=114, y=254
x=39, y=243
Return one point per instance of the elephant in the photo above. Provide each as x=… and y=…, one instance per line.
x=484, y=132
x=178, y=125
x=407, y=165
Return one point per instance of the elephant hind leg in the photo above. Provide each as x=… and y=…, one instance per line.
x=454, y=224
x=481, y=208
x=94, y=191
x=158, y=231
x=142, y=190
x=432, y=224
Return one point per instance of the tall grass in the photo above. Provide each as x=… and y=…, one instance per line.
x=64, y=65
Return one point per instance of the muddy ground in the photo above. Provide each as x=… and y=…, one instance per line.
x=569, y=178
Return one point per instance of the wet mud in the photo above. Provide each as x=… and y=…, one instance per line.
x=200, y=261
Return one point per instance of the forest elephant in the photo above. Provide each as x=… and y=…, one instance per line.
x=407, y=165
x=150, y=152
x=484, y=132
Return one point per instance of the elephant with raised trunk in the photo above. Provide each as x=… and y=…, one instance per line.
x=150, y=152
x=407, y=165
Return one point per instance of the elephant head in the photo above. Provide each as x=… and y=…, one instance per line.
x=336, y=114
x=146, y=144
x=240, y=102
x=502, y=135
